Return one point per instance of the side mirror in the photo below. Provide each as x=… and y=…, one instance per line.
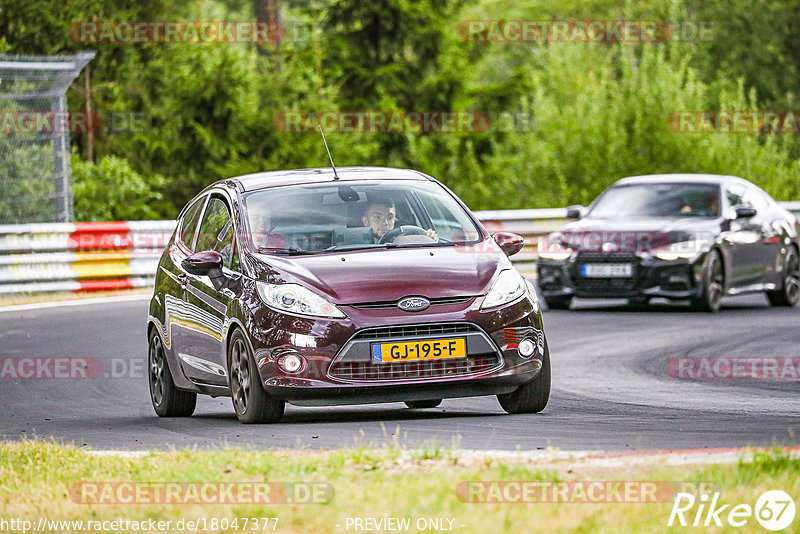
x=206, y=263
x=201, y=263
x=508, y=242
x=574, y=212
x=745, y=212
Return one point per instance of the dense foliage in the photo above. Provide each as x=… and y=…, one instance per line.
x=568, y=118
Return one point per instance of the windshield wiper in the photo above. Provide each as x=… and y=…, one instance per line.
x=347, y=248
x=289, y=251
x=422, y=245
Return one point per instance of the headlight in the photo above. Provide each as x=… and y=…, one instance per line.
x=509, y=286
x=682, y=250
x=533, y=295
x=294, y=298
x=550, y=248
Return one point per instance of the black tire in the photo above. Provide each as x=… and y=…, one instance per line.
x=532, y=396
x=713, y=284
x=250, y=402
x=168, y=400
x=424, y=404
x=789, y=294
x=558, y=303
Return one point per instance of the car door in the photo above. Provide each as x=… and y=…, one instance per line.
x=743, y=238
x=770, y=233
x=176, y=314
x=204, y=359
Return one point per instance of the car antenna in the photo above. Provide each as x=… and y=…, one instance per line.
x=335, y=176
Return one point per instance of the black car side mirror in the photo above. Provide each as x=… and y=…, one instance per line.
x=574, y=212
x=745, y=212
x=206, y=263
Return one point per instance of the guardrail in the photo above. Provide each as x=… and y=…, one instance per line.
x=81, y=257
x=78, y=257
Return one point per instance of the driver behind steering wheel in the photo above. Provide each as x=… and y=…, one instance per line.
x=381, y=216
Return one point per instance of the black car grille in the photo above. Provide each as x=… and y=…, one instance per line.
x=607, y=257
x=443, y=368
x=387, y=304
x=605, y=285
x=416, y=330
x=610, y=285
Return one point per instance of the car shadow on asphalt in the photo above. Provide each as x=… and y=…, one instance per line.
x=305, y=415
x=728, y=304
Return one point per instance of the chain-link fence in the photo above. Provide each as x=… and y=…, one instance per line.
x=34, y=137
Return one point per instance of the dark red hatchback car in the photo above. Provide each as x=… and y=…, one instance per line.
x=362, y=286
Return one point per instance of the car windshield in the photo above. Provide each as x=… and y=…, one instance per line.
x=657, y=200
x=303, y=219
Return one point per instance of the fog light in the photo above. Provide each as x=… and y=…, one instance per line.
x=526, y=348
x=290, y=363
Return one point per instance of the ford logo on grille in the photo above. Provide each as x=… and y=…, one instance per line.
x=413, y=304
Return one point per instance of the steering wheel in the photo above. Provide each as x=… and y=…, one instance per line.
x=406, y=229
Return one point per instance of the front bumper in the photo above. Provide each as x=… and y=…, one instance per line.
x=318, y=393
x=651, y=277
x=338, y=367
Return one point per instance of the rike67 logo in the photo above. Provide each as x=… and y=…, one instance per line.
x=774, y=510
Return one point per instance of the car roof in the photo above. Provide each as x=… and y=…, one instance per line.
x=682, y=178
x=263, y=180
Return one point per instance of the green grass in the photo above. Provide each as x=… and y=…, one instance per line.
x=390, y=481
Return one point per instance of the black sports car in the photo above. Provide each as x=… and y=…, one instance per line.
x=680, y=236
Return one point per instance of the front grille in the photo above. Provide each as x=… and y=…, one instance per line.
x=444, y=368
x=610, y=285
x=601, y=285
x=416, y=330
x=607, y=257
x=386, y=304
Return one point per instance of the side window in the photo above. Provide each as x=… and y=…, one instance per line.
x=216, y=231
x=189, y=223
x=449, y=223
x=735, y=196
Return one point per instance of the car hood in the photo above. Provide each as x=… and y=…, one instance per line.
x=636, y=235
x=389, y=274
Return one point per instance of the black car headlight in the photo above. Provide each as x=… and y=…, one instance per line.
x=682, y=250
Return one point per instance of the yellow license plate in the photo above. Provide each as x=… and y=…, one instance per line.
x=430, y=349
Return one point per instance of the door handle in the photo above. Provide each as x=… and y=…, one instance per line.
x=182, y=279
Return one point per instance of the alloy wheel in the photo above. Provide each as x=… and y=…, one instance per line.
x=240, y=375
x=157, y=363
x=716, y=281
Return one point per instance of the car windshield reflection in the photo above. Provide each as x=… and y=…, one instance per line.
x=319, y=219
x=657, y=200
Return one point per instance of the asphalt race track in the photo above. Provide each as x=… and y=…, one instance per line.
x=611, y=390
